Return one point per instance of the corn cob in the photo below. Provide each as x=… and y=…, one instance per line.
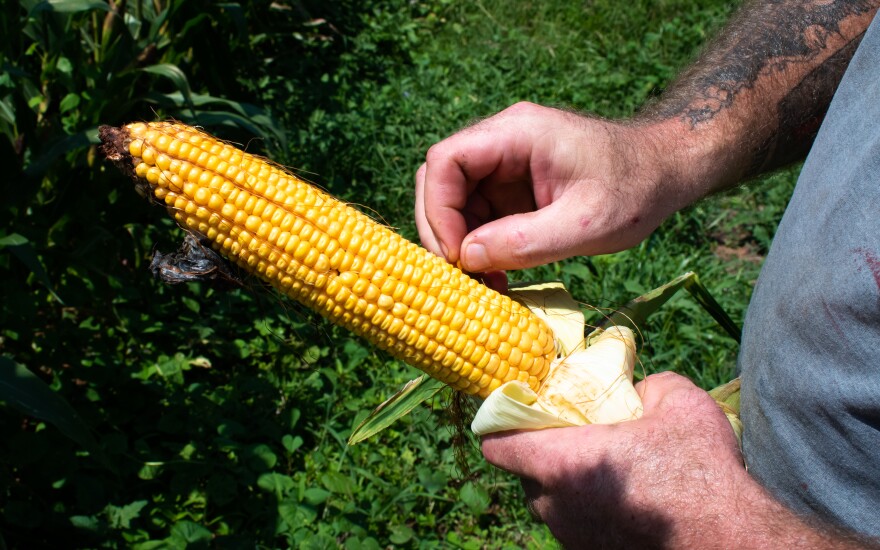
x=334, y=259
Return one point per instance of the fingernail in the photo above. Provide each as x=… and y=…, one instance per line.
x=444, y=250
x=476, y=259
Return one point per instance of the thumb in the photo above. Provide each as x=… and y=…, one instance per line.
x=523, y=240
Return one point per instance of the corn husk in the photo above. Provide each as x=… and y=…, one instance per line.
x=586, y=385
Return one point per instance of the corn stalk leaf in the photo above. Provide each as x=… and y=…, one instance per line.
x=414, y=393
x=23, y=250
x=636, y=311
x=69, y=6
x=72, y=142
x=177, y=77
x=21, y=389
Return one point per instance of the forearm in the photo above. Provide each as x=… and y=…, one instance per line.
x=755, y=98
x=751, y=518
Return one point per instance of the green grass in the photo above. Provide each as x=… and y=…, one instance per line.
x=224, y=415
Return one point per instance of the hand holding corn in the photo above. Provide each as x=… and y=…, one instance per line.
x=644, y=483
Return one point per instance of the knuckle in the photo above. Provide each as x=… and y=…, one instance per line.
x=435, y=152
x=521, y=107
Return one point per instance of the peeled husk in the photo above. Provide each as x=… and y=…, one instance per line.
x=586, y=384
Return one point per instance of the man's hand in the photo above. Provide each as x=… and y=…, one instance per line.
x=642, y=483
x=532, y=184
x=673, y=479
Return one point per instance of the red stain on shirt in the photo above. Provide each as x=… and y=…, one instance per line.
x=873, y=262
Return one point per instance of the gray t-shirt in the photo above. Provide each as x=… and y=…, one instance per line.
x=810, y=357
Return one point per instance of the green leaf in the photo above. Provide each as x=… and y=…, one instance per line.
x=69, y=102
x=60, y=147
x=414, y=393
x=475, y=497
x=636, y=311
x=401, y=534
x=338, y=483
x=273, y=482
x=12, y=240
x=176, y=76
x=86, y=523
x=30, y=395
x=64, y=66
x=432, y=480
x=23, y=250
x=70, y=6
x=7, y=111
x=190, y=532
x=315, y=496
x=291, y=443
x=121, y=516
x=261, y=458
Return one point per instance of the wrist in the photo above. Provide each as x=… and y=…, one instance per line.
x=690, y=162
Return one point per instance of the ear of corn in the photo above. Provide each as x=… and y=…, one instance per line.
x=336, y=260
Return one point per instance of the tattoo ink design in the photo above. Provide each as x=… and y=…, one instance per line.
x=762, y=41
x=801, y=111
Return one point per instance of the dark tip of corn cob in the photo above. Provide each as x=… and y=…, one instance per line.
x=114, y=149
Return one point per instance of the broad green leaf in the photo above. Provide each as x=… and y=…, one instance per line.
x=69, y=6
x=401, y=534
x=60, y=147
x=86, y=523
x=261, y=458
x=315, y=496
x=338, y=483
x=12, y=240
x=291, y=443
x=276, y=483
x=64, y=65
x=121, y=516
x=70, y=101
x=475, y=497
x=176, y=76
x=21, y=389
x=414, y=393
x=189, y=532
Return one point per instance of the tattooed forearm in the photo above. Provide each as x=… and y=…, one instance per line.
x=764, y=40
x=801, y=111
x=775, y=66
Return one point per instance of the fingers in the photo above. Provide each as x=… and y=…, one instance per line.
x=540, y=454
x=523, y=240
x=426, y=234
x=443, y=224
x=494, y=154
x=516, y=451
